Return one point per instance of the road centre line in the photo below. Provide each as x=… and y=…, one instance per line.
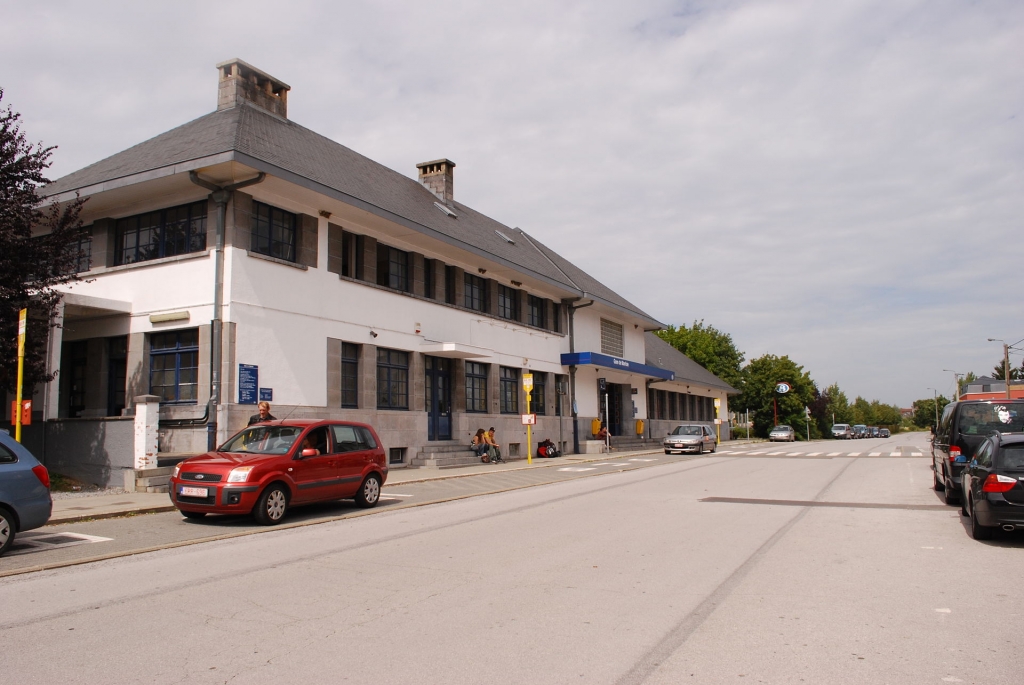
x=840, y=505
x=875, y=454
x=833, y=454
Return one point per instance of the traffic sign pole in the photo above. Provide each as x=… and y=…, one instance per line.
x=528, y=387
x=22, y=327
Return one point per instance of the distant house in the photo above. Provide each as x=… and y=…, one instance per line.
x=241, y=257
x=986, y=388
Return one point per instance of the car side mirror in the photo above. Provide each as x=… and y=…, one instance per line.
x=309, y=452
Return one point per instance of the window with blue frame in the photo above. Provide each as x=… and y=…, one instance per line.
x=164, y=233
x=273, y=232
x=174, y=366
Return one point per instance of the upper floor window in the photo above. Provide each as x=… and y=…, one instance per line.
x=509, y=390
x=174, y=365
x=392, y=379
x=429, y=274
x=392, y=268
x=611, y=338
x=163, y=233
x=508, y=302
x=273, y=232
x=84, y=251
x=449, y=284
x=556, y=317
x=535, y=312
x=476, y=293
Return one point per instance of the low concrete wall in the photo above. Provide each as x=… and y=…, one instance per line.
x=90, y=450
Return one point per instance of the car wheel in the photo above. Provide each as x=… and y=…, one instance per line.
x=193, y=514
x=979, y=532
x=668, y=451
x=714, y=447
x=369, y=491
x=936, y=483
x=271, y=506
x=949, y=496
x=7, y=530
x=700, y=448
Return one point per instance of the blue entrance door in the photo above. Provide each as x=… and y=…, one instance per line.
x=439, y=398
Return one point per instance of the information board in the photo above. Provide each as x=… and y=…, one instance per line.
x=248, y=383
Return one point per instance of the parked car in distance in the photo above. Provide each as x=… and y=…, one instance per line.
x=993, y=486
x=269, y=467
x=842, y=431
x=873, y=431
x=962, y=428
x=25, y=501
x=782, y=434
x=690, y=438
x=884, y=433
x=860, y=431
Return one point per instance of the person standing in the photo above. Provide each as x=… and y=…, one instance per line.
x=264, y=415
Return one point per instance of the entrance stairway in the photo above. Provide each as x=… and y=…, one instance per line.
x=631, y=443
x=444, y=455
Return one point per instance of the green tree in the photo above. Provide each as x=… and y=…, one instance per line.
x=863, y=412
x=925, y=412
x=757, y=384
x=1016, y=373
x=30, y=266
x=709, y=347
x=830, y=406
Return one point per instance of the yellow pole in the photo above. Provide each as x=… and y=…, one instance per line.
x=528, y=386
x=718, y=422
x=22, y=325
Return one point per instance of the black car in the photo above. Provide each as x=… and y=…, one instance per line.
x=961, y=430
x=993, y=486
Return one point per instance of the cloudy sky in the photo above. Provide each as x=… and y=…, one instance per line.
x=839, y=181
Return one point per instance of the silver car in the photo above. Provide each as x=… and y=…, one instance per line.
x=782, y=434
x=690, y=438
x=842, y=431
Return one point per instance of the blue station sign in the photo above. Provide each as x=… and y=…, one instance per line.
x=610, y=362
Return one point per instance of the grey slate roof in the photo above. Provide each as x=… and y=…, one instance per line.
x=659, y=353
x=263, y=138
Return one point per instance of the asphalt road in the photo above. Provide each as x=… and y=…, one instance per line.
x=735, y=567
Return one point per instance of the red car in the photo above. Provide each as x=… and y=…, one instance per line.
x=271, y=466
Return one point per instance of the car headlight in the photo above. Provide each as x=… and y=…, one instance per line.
x=240, y=474
x=177, y=470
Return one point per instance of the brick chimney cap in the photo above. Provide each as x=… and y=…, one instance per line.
x=278, y=84
x=448, y=162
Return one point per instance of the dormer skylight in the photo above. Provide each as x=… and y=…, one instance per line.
x=505, y=238
x=446, y=210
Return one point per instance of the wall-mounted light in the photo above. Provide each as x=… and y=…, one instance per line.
x=516, y=283
x=373, y=334
x=325, y=214
x=483, y=271
x=418, y=327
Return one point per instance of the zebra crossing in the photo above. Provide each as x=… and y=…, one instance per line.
x=774, y=451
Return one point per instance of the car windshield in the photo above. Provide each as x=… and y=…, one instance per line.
x=686, y=430
x=781, y=429
x=985, y=418
x=840, y=427
x=263, y=440
x=1012, y=457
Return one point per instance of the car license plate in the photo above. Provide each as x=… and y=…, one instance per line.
x=193, y=492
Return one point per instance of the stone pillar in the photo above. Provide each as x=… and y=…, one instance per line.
x=147, y=421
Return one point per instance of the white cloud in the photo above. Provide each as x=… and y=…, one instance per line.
x=838, y=181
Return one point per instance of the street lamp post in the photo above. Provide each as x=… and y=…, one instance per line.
x=956, y=382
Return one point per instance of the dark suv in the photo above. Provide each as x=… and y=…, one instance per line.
x=962, y=428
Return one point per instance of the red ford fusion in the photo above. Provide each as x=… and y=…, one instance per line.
x=269, y=467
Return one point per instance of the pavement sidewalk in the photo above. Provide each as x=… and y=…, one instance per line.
x=107, y=506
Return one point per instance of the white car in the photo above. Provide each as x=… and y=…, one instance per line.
x=782, y=434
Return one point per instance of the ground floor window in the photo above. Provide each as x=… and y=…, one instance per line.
x=174, y=366
x=476, y=387
x=349, y=375
x=117, y=374
x=537, y=404
x=509, y=389
x=392, y=379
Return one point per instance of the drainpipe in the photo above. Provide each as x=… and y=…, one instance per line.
x=572, y=369
x=220, y=196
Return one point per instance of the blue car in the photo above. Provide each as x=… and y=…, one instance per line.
x=24, y=491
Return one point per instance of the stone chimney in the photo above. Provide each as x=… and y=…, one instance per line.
x=439, y=178
x=240, y=81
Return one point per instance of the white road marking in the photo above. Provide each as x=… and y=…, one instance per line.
x=774, y=454
x=853, y=454
x=643, y=460
x=27, y=543
x=875, y=454
x=833, y=454
x=606, y=463
x=814, y=454
x=895, y=454
x=944, y=611
x=793, y=454
x=916, y=454
x=395, y=494
x=576, y=468
x=752, y=453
